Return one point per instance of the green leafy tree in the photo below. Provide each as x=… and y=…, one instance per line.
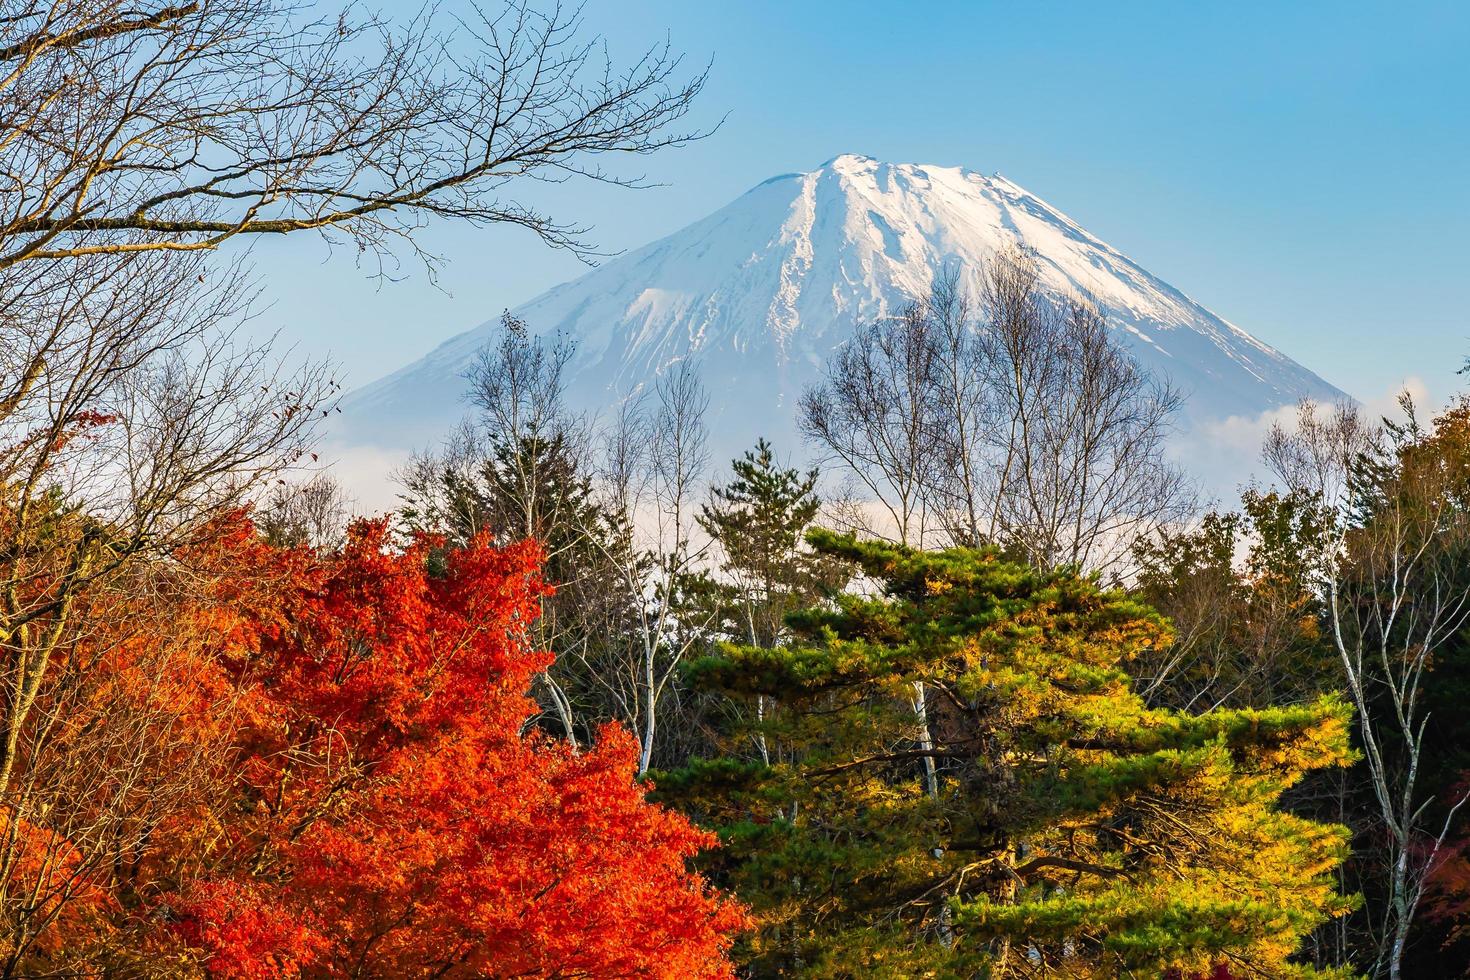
x=1075, y=831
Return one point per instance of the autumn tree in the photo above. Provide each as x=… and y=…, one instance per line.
x=293, y=762
x=127, y=741
x=522, y=468
x=1075, y=830
x=1241, y=591
x=134, y=414
x=134, y=417
x=1397, y=600
x=395, y=817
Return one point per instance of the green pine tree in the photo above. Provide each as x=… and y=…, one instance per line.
x=1075, y=832
x=765, y=571
x=759, y=520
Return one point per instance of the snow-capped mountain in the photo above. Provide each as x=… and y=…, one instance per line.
x=761, y=291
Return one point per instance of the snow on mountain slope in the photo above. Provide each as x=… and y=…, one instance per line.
x=761, y=291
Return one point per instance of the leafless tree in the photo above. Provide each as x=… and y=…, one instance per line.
x=874, y=411
x=1078, y=444
x=679, y=451
x=310, y=513
x=965, y=411
x=181, y=124
x=656, y=462
x=1014, y=419
x=518, y=385
x=1316, y=453
x=1032, y=430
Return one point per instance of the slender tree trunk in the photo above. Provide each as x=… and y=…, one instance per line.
x=1402, y=913
x=650, y=707
x=926, y=741
x=760, y=735
x=563, y=708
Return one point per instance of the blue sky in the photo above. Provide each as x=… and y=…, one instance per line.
x=1301, y=168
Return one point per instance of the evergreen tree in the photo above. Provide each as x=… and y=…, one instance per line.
x=767, y=571
x=759, y=519
x=1074, y=831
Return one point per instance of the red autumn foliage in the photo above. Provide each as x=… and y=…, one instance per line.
x=1447, y=892
x=395, y=817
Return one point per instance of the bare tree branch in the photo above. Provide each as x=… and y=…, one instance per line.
x=179, y=127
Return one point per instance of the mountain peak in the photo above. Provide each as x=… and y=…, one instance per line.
x=847, y=161
x=763, y=290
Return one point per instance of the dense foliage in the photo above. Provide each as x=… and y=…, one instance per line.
x=376, y=806
x=242, y=737
x=401, y=821
x=1064, y=825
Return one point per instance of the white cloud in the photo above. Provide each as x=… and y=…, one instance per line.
x=366, y=475
x=1224, y=456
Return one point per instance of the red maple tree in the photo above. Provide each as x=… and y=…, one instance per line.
x=395, y=814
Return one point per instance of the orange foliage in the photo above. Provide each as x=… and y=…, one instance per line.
x=394, y=815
